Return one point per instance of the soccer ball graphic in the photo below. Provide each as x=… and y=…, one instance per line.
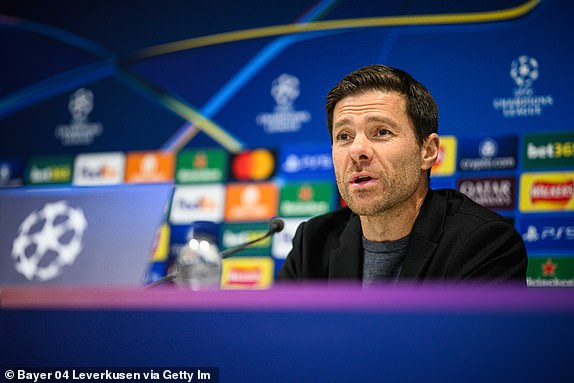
x=49, y=239
x=524, y=71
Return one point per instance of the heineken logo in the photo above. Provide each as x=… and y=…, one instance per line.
x=549, y=268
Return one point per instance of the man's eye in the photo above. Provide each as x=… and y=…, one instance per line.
x=382, y=132
x=342, y=137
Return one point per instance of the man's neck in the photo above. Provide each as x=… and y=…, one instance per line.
x=394, y=223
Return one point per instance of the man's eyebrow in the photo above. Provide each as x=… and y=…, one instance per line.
x=382, y=120
x=372, y=119
x=343, y=122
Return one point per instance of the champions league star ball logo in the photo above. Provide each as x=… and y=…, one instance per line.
x=81, y=104
x=285, y=89
x=49, y=239
x=524, y=71
x=80, y=131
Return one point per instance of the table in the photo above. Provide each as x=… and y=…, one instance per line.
x=298, y=333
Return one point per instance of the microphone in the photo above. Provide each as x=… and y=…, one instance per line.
x=276, y=225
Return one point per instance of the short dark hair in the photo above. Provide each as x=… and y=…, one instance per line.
x=421, y=107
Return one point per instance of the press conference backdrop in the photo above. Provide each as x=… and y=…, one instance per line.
x=225, y=102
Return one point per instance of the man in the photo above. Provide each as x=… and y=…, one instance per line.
x=383, y=126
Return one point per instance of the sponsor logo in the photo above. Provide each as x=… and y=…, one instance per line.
x=48, y=240
x=50, y=170
x=548, y=233
x=559, y=192
x=488, y=153
x=305, y=199
x=201, y=166
x=11, y=173
x=247, y=273
x=550, y=271
x=495, y=193
x=445, y=163
x=237, y=234
x=149, y=167
x=547, y=191
x=251, y=202
x=80, y=131
x=524, y=71
x=284, y=118
x=197, y=203
x=253, y=165
x=306, y=163
x=99, y=169
x=549, y=150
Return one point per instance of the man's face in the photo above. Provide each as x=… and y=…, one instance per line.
x=377, y=159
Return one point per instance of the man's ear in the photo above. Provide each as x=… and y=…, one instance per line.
x=429, y=151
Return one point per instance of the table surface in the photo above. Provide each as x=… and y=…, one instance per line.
x=298, y=333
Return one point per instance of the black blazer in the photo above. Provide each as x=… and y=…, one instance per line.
x=453, y=239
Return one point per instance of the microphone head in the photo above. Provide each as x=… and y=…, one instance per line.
x=276, y=225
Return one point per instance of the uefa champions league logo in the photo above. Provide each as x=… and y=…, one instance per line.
x=81, y=104
x=80, y=131
x=524, y=71
x=285, y=89
x=48, y=240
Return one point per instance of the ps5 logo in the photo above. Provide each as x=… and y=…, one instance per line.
x=548, y=233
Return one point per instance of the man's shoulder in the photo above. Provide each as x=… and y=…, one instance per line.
x=461, y=206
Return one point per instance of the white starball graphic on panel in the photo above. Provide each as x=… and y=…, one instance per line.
x=524, y=71
x=49, y=239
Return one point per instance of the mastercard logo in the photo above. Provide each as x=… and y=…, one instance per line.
x=253, y=165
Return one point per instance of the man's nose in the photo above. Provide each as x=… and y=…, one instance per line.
x=361, y=149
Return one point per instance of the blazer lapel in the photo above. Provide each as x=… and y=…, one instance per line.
x=346, y=262
x=426, y=233
x=420, y=251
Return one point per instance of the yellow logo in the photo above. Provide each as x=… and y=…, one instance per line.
x=446, y=162
x=247, y=273
x=547, y=191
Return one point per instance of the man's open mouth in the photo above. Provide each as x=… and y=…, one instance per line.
x=362, y=179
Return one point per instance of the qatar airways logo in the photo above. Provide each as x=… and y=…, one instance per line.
x=494, y=193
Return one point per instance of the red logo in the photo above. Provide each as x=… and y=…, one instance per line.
x=244, y=276
x=552, y=192
x=548, y=268
x=255, y=165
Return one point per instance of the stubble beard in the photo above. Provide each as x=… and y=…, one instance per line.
x=391, y=193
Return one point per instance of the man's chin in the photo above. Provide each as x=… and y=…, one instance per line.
x=364, y=208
